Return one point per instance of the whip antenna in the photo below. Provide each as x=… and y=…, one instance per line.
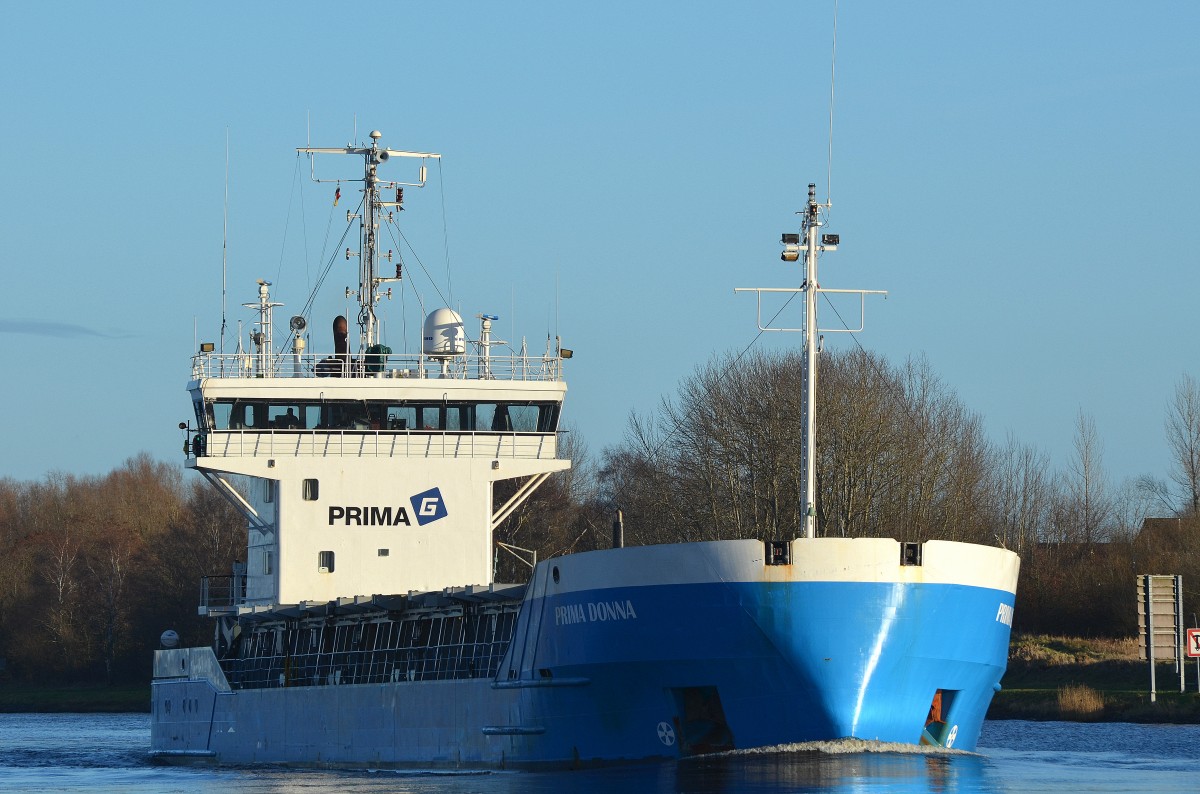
x=224, y=240
x=832, y=75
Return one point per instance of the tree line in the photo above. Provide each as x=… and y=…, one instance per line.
x=93, y=569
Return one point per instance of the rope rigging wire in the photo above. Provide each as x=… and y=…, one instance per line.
x=445, y=230
x=393, y=230
x=329, y=266
x=287, y=221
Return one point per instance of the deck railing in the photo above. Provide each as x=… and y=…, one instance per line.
x=392, y=365
x=376, y=444
x=222, y=591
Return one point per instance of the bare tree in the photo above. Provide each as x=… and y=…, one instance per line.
x=1136, y=500
x=898, y=455
x=1022, y=492
x=1183, y=434
x=1088, y=509
x=110, y=564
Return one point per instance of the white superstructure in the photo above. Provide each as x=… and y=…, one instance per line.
x=369, y=472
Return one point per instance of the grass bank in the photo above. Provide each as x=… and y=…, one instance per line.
x=77, y=698
x=1068, y=678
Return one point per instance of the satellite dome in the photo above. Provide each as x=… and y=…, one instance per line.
x=444, y=335
x=169, y=639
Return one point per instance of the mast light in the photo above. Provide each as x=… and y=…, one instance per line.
x=791, y=246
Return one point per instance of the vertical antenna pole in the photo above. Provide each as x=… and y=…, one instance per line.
x=811, y=223
x=832, y=77
x=224, y=243
x=368, y=256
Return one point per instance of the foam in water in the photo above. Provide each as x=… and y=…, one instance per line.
x=844, y=747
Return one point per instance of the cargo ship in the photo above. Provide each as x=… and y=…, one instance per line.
x=365, y=629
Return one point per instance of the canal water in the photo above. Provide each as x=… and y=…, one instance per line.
x=108, y=753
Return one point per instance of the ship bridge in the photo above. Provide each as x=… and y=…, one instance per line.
x=409, y=407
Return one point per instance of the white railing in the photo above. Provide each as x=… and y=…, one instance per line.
x=393, y=365
x=377, y=444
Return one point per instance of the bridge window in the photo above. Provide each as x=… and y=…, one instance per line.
x=286, y=417
x=429, y=417
x=517, y=417
x=198, y=407
x=524, y=418
x=459, y=417
x=363, y=415
x=401, y=417
x=235, y=415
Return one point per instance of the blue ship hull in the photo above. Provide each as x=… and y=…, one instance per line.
x=598, y=674
x=790, y=663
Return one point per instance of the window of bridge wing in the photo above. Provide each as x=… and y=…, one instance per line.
x=202, y=422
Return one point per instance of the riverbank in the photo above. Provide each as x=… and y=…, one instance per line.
x=1090, y=680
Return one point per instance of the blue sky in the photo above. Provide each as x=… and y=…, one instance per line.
x=1022, y=177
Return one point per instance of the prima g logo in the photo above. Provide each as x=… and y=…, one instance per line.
x=429, y=506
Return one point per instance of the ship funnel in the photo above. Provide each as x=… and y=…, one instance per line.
x=341, y=335
x=341, y=343
x=445, y=335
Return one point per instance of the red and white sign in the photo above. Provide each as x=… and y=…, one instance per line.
x=1193, y=642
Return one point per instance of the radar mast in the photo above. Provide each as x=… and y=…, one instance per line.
x=806, y=245
x=375, y=211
